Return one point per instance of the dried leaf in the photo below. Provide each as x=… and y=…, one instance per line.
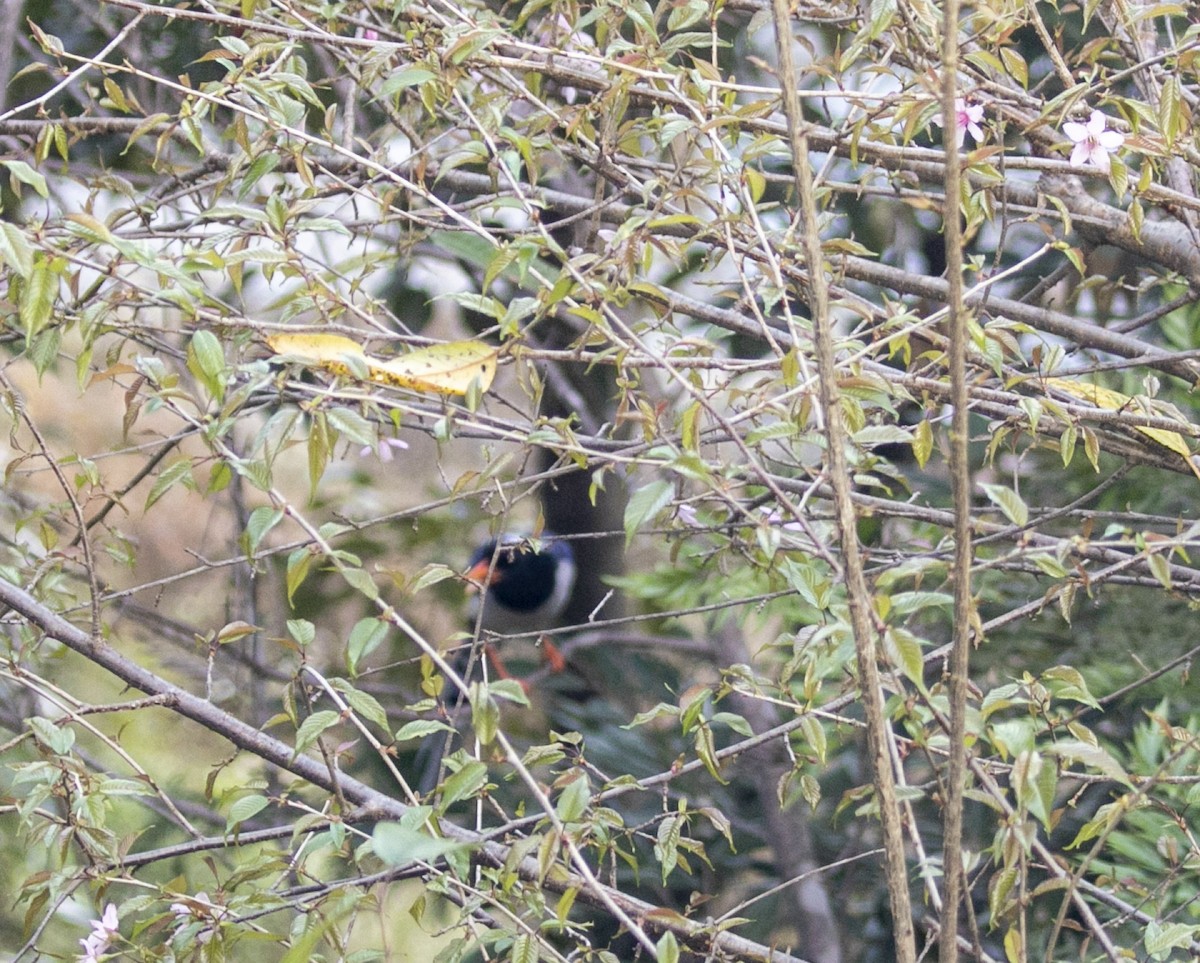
x=445, y=369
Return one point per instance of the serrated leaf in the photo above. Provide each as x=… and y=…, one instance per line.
x=37, y=298
x=178, y=472
x=420, y=729
x=1160, y=569
x=312, y=727
x=365, y=637
x=1162, y=938
x=524, y=949
x=245, y=808
x=666, y=844
x=1093, y=757
x=1066, y=445
x=362, y=582
x=412, y=75
x=465, y=783
x=352, y=425
x=485, y=714
x=15, y=249
x=58, y=739
x=365, y=704
x=302, y=630
x=1009, y=502
x=573, y=800
x=206, y=360
x=261, y=521
x=299, y=563
x=21, y=172
x=814, y=736
x=644, y=505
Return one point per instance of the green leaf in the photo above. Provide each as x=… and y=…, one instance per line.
x=178, y=472
x=353, y=425
x=465, y=783
x=261, y=521
x=58, y=739
x=1009, y=502
x=302, y=630
x=485, y=714
x=399, y=845
x=15, y=249
x=362, y=582
x=1066, y=444
x=1160, y=569
x=420, y=729
x=37, y=298
x=510, y=690
x=1093, y=757
x=313, y=726
x=365, y=704
x=666, y=844
x=298, y=565
x=206, y=360
x=809, y=580
x=20, y=172
x=413, y=75
x=245, y=808
x=365, y=638
x=814, y=735
x=644, y=505
x=904, y=650
x=667, y=949
x=1162, y=938
x=573, y=800
x=524, y=949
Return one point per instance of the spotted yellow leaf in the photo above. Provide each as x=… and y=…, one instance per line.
x=446, y=369
x=1115, y=401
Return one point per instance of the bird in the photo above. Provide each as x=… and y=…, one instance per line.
x=524, y=584
x=521, y=585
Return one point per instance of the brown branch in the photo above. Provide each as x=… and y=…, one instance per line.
x=960, y=487
x=838, y=473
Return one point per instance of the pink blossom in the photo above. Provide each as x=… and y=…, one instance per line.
x=966, y=120
x=1093, y=141
x=385, y=450
x=104, y=931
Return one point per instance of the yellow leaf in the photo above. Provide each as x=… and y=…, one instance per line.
x=446, y=369
x=326, y=350
x=1115, y=401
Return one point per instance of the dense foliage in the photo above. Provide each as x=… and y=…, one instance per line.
x=854, y=486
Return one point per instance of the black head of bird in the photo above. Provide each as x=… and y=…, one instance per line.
x=524, y=584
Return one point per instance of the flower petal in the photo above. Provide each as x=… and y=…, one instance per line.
x=1077, y=132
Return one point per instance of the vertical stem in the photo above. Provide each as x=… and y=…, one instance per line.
x=859, y=597
x=960, y=484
